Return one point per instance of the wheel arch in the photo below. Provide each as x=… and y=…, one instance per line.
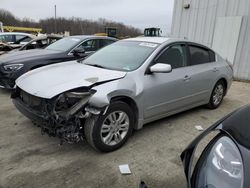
x=224, y=80
x=37, y=66
x=132, y=104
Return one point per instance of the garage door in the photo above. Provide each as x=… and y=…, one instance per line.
x=226, y=36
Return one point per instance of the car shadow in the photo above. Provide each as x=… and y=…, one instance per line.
x=6, y=91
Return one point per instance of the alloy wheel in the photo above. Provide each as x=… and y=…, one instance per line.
x=114, y=128
x=218, y=94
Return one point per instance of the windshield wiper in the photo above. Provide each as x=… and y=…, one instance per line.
x=95, y=65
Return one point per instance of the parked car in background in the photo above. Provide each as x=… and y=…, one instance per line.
x=15, y=64
x=36, y=43
x=16, y=39
x=40, y=42
x=13, y=40
x=120, y=88
x=224, y=160
x=4, y=48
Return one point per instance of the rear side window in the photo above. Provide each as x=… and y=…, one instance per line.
x=212, y=56
x=105, y=42
x=200, y=55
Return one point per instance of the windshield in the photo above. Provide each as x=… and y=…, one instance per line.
x=123, y=55
x=64, y=44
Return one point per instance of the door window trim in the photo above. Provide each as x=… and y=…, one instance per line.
x=202, y=47
x=166, y=48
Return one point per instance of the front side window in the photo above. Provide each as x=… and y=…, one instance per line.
x=174, y=56
x=122, y=55
x=199, y=55
x=89, y=46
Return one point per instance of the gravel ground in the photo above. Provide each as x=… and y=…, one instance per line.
x=28, y=159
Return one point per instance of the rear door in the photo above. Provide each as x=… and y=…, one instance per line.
x=203, y=72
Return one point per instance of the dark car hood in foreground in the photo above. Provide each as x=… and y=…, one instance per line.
x=236, y=125
x=27, y=55
x=49, y=81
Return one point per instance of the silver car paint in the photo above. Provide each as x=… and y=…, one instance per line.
x=63, y=77
x=155, y=95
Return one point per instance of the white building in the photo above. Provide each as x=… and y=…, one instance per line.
x=223, y=25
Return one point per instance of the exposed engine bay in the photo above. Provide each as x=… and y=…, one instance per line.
x=62, y=116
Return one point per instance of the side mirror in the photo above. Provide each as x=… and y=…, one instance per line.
x=78, y=52
x=161, y=68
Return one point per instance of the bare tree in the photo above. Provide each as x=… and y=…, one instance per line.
x=76, y=26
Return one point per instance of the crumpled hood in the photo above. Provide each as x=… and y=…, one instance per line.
x=49, y=81
x=26, y=55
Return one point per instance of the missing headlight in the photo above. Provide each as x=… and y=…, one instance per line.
x=69, y=103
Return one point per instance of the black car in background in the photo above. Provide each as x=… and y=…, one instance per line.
x=220, y=156
x=70, y=48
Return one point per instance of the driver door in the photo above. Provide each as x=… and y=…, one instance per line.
x=167, y=92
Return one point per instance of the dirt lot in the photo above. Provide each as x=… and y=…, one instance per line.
x=28, y=159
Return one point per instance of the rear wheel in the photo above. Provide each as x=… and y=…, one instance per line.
x=110, y=131
x=217, y=95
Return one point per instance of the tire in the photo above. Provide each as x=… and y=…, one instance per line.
x=100, y=141
x=217, y=95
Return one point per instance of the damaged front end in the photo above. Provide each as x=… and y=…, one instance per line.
x=62, y=116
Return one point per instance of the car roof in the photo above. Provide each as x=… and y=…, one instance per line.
x=161, y=40
x=158, y=40
x=47, y=37
x=82, y=37
x=16, y=33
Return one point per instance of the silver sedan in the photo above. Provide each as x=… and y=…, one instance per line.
x=122, y=87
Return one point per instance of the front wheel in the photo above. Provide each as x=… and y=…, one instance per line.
x=110, y=131
x=217, y=95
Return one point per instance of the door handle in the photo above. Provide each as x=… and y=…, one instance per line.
x=186, y=78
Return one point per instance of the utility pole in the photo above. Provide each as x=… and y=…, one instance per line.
x=1, y=27
x=55, y=21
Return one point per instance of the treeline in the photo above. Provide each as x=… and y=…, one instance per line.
x=76, y=26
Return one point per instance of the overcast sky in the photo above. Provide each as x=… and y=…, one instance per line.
x=138, y=13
